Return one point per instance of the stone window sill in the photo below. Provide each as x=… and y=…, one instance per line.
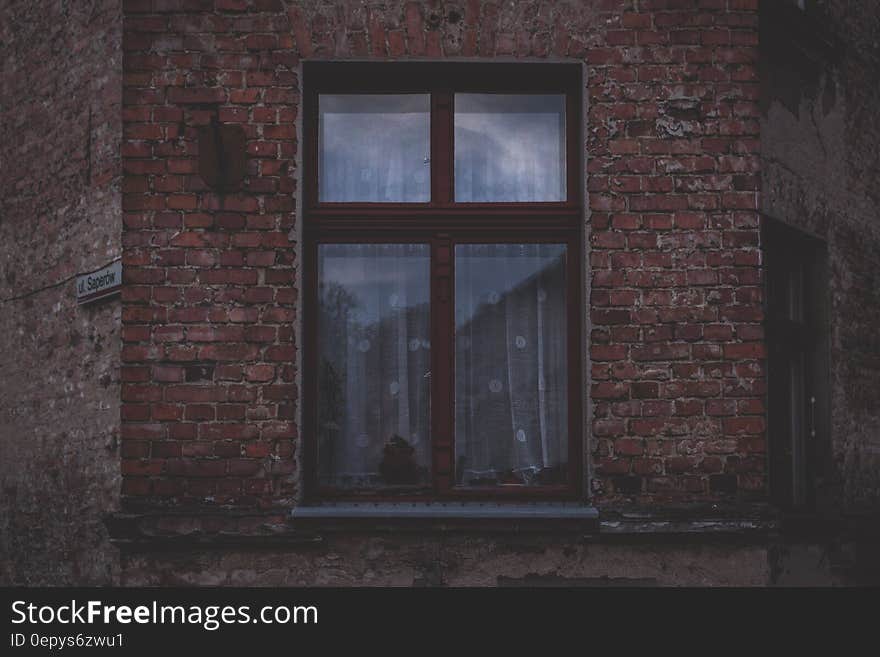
x=445, y=510
x=448, y=516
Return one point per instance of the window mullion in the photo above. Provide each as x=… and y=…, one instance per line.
x=441, y=148
x=442, y=321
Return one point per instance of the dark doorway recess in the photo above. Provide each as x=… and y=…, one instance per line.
x=797, y=312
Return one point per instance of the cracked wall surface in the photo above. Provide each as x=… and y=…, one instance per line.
x=60, y=213
x=821, y=173
x=459, y=561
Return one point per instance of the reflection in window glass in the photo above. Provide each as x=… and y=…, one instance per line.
x=374, y=148
x=511, y=399
x=374, y=365
x=509, y=147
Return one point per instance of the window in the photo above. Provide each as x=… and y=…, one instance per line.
x=798, y=371
x=442, y=229
x=374, y=147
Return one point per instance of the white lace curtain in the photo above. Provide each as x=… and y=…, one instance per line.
x=509, y=147
x=375, y=353
x=510, y=364
x=375, y=148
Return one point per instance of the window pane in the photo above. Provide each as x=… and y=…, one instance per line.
x=374, y=148
x=374, y=367
x=511, y=423
x=509, y=147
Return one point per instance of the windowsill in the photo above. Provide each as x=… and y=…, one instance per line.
x=448, y=511
x=448, y=516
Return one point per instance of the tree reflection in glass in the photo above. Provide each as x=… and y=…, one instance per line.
x=373, y=375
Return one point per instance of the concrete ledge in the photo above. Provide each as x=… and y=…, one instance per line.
x=456, y=511
x=171, y=530
x=441, y=517
x=308, y=526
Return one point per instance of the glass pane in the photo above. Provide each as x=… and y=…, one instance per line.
x=511, y=422
x=509, y=147
x=374, y=365
x=374, y=148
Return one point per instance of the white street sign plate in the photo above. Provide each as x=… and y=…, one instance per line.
x=99, y=284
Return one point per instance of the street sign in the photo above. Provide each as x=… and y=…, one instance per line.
x=99, y=284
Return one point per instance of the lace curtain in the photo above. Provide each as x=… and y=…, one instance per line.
x=374, y=148
x=509, y=147
x=375, y=358
x=510, y=364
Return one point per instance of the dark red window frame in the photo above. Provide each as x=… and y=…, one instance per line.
x=442, y=223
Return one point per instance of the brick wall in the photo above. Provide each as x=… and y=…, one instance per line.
x=208, y=321
x=676, y=341
x=209, y=381
x=60, y=213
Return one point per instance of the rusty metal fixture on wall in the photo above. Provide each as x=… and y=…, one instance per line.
x=222, y=155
